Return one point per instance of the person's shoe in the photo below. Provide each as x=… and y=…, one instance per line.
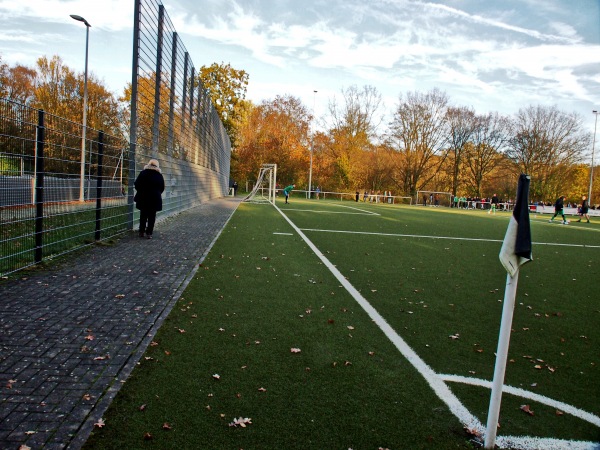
x=141, y=234
x=588, y=221
x=579, y=220
x=565, y=222
x=550, y=221
x=148, y=236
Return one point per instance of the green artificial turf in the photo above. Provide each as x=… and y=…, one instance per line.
x=259, y=294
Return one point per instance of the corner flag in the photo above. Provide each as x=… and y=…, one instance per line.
x=516, y=248
x=515, y=251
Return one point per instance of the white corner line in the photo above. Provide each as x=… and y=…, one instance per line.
x=434, y=381
x=564, y=407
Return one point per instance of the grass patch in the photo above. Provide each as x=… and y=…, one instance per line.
x=259, y=294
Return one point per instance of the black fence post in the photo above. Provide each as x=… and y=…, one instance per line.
x=99, y=185
x=39, y=188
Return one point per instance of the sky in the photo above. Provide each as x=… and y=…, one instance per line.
x=492, y=55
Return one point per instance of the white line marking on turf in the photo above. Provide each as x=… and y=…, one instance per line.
x=436, y=383
x=371, y=213
x=443, y=237
x=334, y=212
x=579, y=413
x=434, y=380
x=284, y=234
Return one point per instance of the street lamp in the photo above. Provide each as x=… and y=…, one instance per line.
x=312, y=136
x=592, y=166
x=85, y=95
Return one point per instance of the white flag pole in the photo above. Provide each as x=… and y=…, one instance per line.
x=508, y=308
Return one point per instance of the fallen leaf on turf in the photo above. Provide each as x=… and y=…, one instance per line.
x=166, y=426
x=350, y=327
x=24, y=447
x=148, y=437
x=242, y=422
x=537, y=366
x=295, y=350
x=120, y=296
x=153, y=344
x=216, y=376
x=89, y=337
x=87, y=397
x=30, y=432
x=167, y=352
x=181, y=330
x=454, y=336
x=142, y=408
x=101, y=358
x=100, y=423
x=371, y=353
x=526, y=409
x=262, y=389
x=559, y=412
x=472, y=432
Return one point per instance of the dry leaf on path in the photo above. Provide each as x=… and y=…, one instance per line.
x=100, y=423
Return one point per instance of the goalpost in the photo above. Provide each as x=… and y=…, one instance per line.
x=264, y=189
x=429, y=198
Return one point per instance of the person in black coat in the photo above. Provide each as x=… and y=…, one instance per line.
x=149, y=185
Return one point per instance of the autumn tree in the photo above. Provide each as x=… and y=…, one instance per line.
x=461, y=124
x=483, y=153
x=547, y=144
x=276, y=131
x=17, y=83
x=418, y=133
x=227, y=89
x=353, y=128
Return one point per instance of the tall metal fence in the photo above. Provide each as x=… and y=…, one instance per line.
x=172, y=116
x=46, y=207
x=56, y=198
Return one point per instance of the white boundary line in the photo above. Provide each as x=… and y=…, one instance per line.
x=442, y=237
x=576, y=412
x=362, y=211
x=435, y=381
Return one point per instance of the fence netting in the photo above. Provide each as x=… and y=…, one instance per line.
x=60, y=192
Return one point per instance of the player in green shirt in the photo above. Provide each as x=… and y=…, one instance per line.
x=287, y=191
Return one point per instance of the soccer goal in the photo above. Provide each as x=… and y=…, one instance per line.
x=434, y=198
x=264, y=189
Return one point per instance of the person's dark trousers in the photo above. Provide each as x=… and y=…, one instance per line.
x=147, y=220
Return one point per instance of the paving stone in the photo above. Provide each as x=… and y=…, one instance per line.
x=119, y=295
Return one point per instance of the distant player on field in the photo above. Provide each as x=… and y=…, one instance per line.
x=558, y=209
x=287, y=191
x=583, y=212
x=494, y=204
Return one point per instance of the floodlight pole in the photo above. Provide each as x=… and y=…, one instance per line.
x=85, y=99
x=592, y=165
x=312, y=137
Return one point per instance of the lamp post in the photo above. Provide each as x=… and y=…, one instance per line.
x=85, y=95
x=312, y=136
x=592, y=165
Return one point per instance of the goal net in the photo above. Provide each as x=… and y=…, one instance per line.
x=434, y=198
x=264, y=189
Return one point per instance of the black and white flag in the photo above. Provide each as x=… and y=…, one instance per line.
x=516, y=248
